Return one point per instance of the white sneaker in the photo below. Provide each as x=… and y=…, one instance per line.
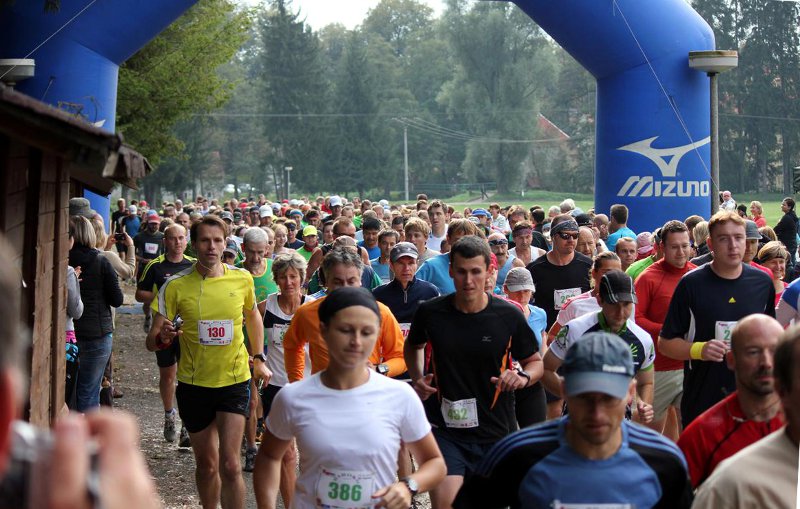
x=170, y=431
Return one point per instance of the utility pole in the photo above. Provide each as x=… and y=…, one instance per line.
x=405, y=154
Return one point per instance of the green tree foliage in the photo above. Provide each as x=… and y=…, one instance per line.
x=175, y=75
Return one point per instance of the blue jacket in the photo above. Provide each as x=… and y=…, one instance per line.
x=403, y=303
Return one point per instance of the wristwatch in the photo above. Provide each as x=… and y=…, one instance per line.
x=261, y=357
x=383, y=369
x=525, y=375
x=412, y=486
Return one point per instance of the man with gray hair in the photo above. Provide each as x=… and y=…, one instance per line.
x=341, y=267
x=257, y=248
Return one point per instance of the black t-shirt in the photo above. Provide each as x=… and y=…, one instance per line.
x=558, y=282
x=158, y=271
x=467, y=350
x=702, y=303
x=297, y=244
x=116, y=217
x=538, y=240
x=149, y=245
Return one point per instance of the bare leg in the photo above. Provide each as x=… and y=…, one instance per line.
x=443, y=496
x=231, y=430
x=166, y=386
x=288, y=475
x=205, y=445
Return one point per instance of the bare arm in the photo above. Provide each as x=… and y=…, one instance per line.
x=255, y=335
x=144, y=296
x=550, y=379
x=680, y=349
x=267, y=473
x=314, y=263
x=431, y=472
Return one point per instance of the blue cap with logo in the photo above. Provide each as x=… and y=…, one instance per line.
x=598, y=362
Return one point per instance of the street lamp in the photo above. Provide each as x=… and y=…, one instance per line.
x=713, y=63
x=288, y=170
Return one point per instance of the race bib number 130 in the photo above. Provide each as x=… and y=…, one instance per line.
x=215, y=332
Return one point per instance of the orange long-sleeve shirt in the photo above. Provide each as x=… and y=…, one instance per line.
x=305, y=329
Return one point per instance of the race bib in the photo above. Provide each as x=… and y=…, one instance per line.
x=278, y=331
x=341, y=489
x=460, y=414
x=215, y=332
x=562, y=296
x=722, y=331
x=150, y=248
x=404, y=328
x=561, y=505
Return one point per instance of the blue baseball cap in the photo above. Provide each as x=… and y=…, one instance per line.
x=481, y=212
x=598, y=362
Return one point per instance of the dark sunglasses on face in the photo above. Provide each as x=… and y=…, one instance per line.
x=567, y=236
x=498, y=242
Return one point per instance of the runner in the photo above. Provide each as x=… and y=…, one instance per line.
x=562, y=273
x=639, y=266
x=212, y=300
x=437, y=269
x=467, y=388
x=341, y=465
x=387, y=239
x=654, y=289
x=498, y=243
x=704, y=309
x=417, y=232
x=257, y=248
x=765, y=473
x=626, y=249
x=370, y=228
x=747, y=415
x=310, y=242
x=437, y=214
x=592, y=457
x=149, y=244
x=616, y=297
x=618, y=226
x=278, y=311
x=775, y=257
x=153, y=277
x=341, y=267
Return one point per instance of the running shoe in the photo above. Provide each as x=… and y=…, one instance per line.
x=184, y=441
x=250, y=459
x=170, y=432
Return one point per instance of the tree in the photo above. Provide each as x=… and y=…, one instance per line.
x=175, y=75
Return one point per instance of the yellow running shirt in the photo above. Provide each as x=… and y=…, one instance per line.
x=213, y=352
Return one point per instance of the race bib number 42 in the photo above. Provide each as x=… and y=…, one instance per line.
x=560, y=297
x=460, y=414
x=722, y=331
x=215, y=332
x=340, y=489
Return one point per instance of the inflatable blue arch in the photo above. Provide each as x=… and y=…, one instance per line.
x=652, y=121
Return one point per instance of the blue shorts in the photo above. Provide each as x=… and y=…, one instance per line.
x=461, y=457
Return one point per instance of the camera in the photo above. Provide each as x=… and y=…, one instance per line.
x=25, y=479
x=177, y=322
x=119, y=236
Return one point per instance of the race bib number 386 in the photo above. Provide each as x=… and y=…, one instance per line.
x=340, y=489
x=215, y=332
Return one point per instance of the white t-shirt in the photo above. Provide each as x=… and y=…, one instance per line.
x=435, y=243
x=534, y=253
x=276, y=323
x=580, y=305
x=346, y=437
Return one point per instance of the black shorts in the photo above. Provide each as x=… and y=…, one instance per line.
x=268, y=394
x=198, y=406
x=169, y=356
x=461, y=457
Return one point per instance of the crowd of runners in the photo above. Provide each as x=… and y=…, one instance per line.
x=355, y=354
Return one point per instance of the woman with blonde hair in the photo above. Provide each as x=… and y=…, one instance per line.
x=774, y=256
x=757, y=211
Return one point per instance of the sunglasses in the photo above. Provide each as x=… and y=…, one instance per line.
x=567, y=236
x=498, y=242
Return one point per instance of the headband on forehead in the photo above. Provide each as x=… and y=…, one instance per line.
x=522, y=231
x=566, y=225
x=346, y=297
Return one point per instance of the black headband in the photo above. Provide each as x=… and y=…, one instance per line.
x=346, y=297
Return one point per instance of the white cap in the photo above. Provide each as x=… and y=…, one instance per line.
x=335, y=201
x=265, y=211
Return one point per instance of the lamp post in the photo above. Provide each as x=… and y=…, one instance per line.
x=713, y=63
x=288, y=170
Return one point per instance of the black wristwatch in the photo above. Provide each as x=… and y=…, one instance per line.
x=261, y=357
x=412, y=485
x=383, y=369
x=525, y=375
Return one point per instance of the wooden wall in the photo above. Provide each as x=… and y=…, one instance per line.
x=34, y=218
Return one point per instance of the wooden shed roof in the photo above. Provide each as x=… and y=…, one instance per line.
x=98, y=158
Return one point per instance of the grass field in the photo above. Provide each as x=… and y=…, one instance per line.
x=771, y=202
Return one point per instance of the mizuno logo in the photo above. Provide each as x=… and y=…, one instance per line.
x=646, y=187
x=666, y=159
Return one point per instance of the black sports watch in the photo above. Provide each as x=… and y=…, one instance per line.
x=261, y=357
x=525, y=375
x=383, y=369
x=412, y=485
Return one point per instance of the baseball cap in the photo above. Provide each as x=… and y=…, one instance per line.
x=481, y=212
x=276, y=207
x=598, y=362
x=295, y=212
x=402, y=249
x=265, y=211
x=384, y=203
x=290, y=225
x=519, y=279
x=230, y=250
x=616, y=286
x=152, y=217
x=226, y=215
x=254, y=208
x=751, y=230
x=132, y=209
x=309, y=230
x=643, y=240
x=583, y=220
x=237, y=216
x=335, y=201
